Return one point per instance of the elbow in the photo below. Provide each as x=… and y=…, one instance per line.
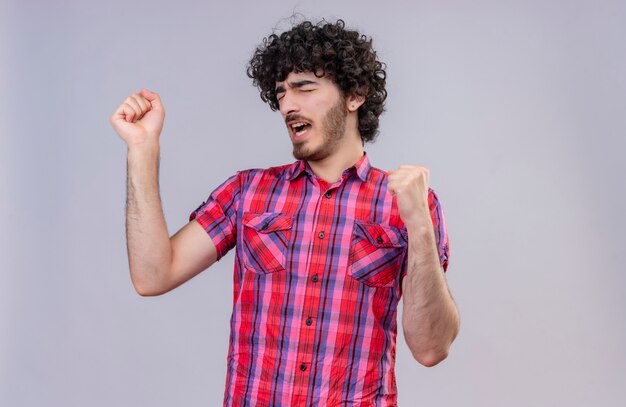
x=146, y=288
x=146, y=291
x=432, y=353
x=430, y=358
x=427, y=353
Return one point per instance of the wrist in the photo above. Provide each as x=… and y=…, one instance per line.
x=419, y=221
x=419, y=231
x=148, y=147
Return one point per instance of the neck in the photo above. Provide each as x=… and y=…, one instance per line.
x=345, y=156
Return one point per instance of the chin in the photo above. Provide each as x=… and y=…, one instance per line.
x=301, y=155
x=302, y=152
x=309, y=155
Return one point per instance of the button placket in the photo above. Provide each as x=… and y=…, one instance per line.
x=307, y=335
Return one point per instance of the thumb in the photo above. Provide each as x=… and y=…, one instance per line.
x=153, y=98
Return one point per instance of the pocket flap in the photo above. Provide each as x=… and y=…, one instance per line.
x=381, y=236
x=267, y=222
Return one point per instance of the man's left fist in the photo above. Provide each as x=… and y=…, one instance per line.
x=409, y=184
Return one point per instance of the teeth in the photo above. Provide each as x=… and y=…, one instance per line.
x=294, y=125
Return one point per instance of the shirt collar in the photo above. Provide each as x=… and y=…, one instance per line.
x=362, y=168
x=295, y=169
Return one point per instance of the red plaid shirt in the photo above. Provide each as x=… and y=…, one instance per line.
x=317, y=280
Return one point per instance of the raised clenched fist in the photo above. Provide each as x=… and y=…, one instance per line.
x=139, y=119
x=409, y=183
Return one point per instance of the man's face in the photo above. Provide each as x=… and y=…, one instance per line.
x=315, y=113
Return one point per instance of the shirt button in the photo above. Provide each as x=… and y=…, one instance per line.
x=303, y=367
x=309, y=321
x=321, y=235
x=328, y=195
x=379, y=239
x=315, y=279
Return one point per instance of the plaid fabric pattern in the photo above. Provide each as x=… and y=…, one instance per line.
x=317, y=279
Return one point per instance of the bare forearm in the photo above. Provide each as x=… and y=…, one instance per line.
x=430, y=318
x=148, y=242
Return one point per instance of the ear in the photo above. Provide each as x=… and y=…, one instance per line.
x=355, y=100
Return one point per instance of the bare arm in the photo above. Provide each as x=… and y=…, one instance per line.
x=157, y=262
x=430, y=319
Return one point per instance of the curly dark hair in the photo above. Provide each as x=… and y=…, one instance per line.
x=346, y=56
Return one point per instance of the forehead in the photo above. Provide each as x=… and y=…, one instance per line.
x=305, y=76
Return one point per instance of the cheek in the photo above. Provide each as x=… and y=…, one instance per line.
x=320, y=110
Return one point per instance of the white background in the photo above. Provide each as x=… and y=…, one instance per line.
x=518, y=109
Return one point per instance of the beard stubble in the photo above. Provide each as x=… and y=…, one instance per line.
x=333, y=130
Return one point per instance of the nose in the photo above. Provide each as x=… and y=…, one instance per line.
x=288, y=104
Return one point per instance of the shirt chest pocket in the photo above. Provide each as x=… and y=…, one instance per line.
x=376, y=254
x=266, y=239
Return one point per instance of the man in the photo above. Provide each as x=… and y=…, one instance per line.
x=325, y=247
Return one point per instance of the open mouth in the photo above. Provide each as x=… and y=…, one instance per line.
x=299, y=128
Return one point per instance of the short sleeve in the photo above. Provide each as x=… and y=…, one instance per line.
x=218, y=215
x=439, y=225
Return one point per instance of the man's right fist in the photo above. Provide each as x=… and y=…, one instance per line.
x=140, y=118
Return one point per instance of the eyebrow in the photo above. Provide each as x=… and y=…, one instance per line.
x=295, y=84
